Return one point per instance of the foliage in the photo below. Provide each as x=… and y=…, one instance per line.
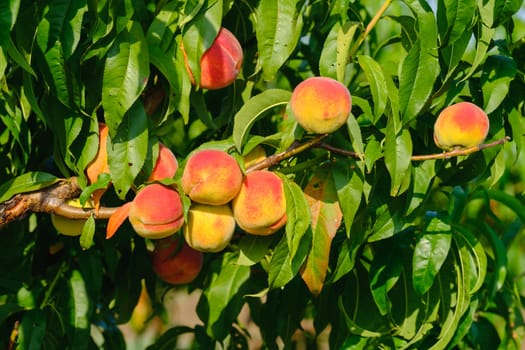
x=388, y=251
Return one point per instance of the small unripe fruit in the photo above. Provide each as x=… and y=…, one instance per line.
x=256, y=155
x=175, y=262
x=68, y=226
x=221, y=63
x=320, y=104
x=260, y=206
x=156, y=212
x=461, y=125
x=209, y=227
x=211, y=177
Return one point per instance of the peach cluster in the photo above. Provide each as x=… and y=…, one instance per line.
x=320, y=105
x=223, y=198
x=220, y=64
x=461, y=125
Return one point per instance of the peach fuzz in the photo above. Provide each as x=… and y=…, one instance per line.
x=320, y=104
x=175, y=262
x=461, y=125
x=156, y=212
x=211, y=177
x=209, y=227
x=165, y=166
x=221, y=63
x=260, y=206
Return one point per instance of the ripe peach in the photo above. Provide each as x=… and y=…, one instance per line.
x=175, y=262
x=461, y=125
x=166, y=165
x=209, y=227
x=211, y=177
x=221, y=63
x=156, y=212
x=68, y=226
x=320, y=104
x=260, y=206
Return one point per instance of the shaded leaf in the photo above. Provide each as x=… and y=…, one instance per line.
x=430, y=253
x=30, y=181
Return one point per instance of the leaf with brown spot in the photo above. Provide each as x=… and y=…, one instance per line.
x=321, y=196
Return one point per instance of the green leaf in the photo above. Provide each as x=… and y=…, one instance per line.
x=278, y=29
x=62, y=22
x=252, y=249
x=349, y=186
x=254, y=109
x=79, y=310
x=398, y=150
x=8, y=14
x=430, y=253
x=385, y=270
x=377, y=81
x=27, y=182
x=337, y=45
x=280, y=271
x=458, y=19
x=421, y=65
x=423, y=174
x=223, y=298
x=126, y=73
x=32, y=330
x=326, y=215
x=484, y=35
x=88, y=232
x=128, y=149
x=498, y=72
x=298, y=222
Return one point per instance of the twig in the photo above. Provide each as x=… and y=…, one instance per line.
x=460, y=152
x=290, y=152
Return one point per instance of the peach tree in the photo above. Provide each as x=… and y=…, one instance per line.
x=327, y=194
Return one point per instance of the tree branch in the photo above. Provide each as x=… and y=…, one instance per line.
x=49, y=200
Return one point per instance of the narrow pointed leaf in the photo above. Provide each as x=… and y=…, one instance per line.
x=254, y=109
x=326, y=214
x=126, y=72
x=278, y=29
x=430, y=253
x=27, y=182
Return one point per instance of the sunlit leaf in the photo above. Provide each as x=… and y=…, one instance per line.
x=278, y=28
x=254, y=109
x=27, y=182
x=326, y=214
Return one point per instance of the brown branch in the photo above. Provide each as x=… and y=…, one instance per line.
x=460, y=151
x=293, y=150
x=49, y=200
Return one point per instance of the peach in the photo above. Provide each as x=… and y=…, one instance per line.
x=461, y=125
x=165, y=166
x=211, y=177
x=320, y=104
x=260, y=206
x=68, y=226
x=156, y=212
x=221, y=63
x=175, y=262
x=209, y=227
